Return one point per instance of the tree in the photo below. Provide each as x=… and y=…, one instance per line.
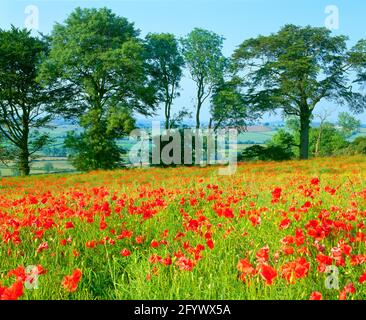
x=296, y=68
x=284, y=139
x=22, y=98
x=324, y=140
x=332, y=140
x=349, y=124
x=99, y=64
x=358, y=146
x=323, y=121
x=228, y=108
x=96, y=147
x=202, y=51
x=357, y=57
x=166, y=68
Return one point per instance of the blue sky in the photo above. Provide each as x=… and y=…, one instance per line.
x=236, y=20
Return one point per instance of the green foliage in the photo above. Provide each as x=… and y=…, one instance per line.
x=178, y=148
x=279, y=148
x=166, y=68
x=282, y=138
x=331, y=140
x=294, y=69
x=228, y=108
x=22, y=97
x=92, y=151
x=265, y=153
x=96, y=147
x=202, y=51
x=97, y=57
x=99, y=66
x=349, y=124
x=356, y=147
x=253, y=153
x=357, y=57
x=325, y=140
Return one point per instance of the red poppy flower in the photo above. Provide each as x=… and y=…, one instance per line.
x=139, y=239
x=268, y=273
x=287, y=250
x=90, y=244
x=19, y=273
x=14, y=292
x=276, y=195
x=40, y=270
x=155, y=258
x=125, y=234
x=287, y=240
x=262, y=254
x=167, y=261
x=102, y=225
x=210, y=244
x=299, y=237
x=255, y=220
x=125, y=252
x=316, y=296
x=350, y=288
x=285, y=223
x=245, y=267
x=70, y=283
x=185, y=264
x=362, y=278
x=154, y=244
x=42, y=246
x=69, y=225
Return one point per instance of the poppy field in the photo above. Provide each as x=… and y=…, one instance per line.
x=291, y=230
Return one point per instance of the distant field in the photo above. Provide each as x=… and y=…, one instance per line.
x=256, y=135
x=38, y=167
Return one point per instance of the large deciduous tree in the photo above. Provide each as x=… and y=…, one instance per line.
x=166, y=68
x=229, y=108
x=295, y=69
x=202, y=51
x=22, y=99
x=99, y=63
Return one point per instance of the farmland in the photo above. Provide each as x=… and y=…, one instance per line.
x=55, y=154
x=271, y=231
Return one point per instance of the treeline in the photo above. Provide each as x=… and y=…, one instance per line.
x=325, y=140
x=96, y=69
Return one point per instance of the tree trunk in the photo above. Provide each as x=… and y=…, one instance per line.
x=318, y=141
x=24, y=150
x=24, y=162
x=200, y=94
x=167, y=116
x=198, y=111
x=304, y=134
